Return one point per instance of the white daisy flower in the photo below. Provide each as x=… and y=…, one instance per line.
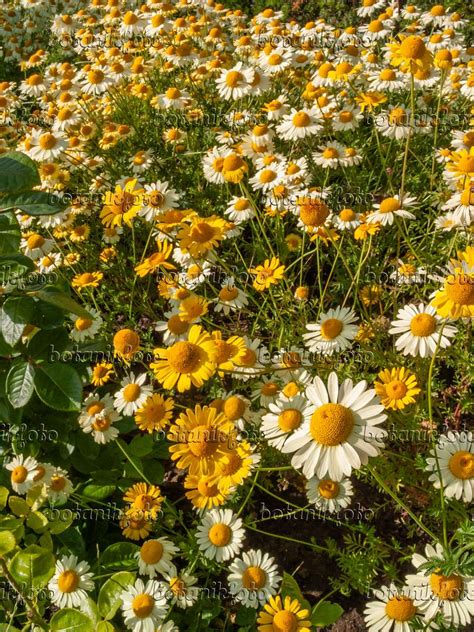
x=347, y=119
x=334, y=331
x=86, y=327
x=451, y=595
x=275, y=60
x=101, y=426
x=181, y=589
x=346, y=219
x=46, y=146
x=23, y=471
x=329, y=495
x=230, y=298
x=369, y=7
x=391, y=207
x=455, y=456
x=329, y=155
x=213, y=163
x=418, y=328
x=276, y=108
x=254, y=578
x=35, y=245
x=158, y=198
x=59, y=486
x=461, y=205
x=144, y=605
x=132, y=395
x=239, y=209
x=220, y=535
x=342, y=432
x=387, y=79
x=93, y=405
x=394, y=123
x=70, y=583
x=393, y=611
x=285, y=417
x=300, y=124
x=154, y=556
x=174, y=328
x=235, y=82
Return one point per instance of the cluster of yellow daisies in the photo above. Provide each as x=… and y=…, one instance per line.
x=200, y=151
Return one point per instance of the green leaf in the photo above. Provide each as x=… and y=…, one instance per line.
x=59, y=386
x=7, y=542
x=98, y=492
x=37, y=521
x=17, y=172
x=3, y=497
x=141, y=445
x=119, y=556
x=109, y=597
x=34, y=203
x=61, y=300
x=10, y=234
x=16, y=313
x=289, y=587
x=70, y=620
x=325, y=613
x=19, y=506
x=14, y=266
x=20, y=385
x=34, y=566
x=104, y=626
x=44, y=344
x=47, y=316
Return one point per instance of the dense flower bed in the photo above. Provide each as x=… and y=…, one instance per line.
x=236, y=286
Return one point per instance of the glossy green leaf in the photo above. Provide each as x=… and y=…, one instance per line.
x=34, y=566
x=10, y=234
x=70, y=620
x=20, y=384
x=17, y=173
x=59, y=386
x=109, y=597
x=61, y=300
x=35, y=203
x=119, y=556
x=7, y=542
x=326, y=613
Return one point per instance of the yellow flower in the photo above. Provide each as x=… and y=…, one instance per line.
x=236, y=465
x=364, y=230
x=201, y=438
x=135, y=528
x=192, y=307
x=144, y=501
x=229, y=352
x=411, y=54
x=186, y=362
x=456, y=298
x=86, y=279
x=461, y=164
x=101, y=373
x=121, y=205
x=202, y=235
x=397, y=388
x=126, y=343
x=267, y=274
x=287, y=615
x=234, y=168
x=155, y=414
x=370, y=100
x=157, y=260
x=370, y=294
x=205, y=492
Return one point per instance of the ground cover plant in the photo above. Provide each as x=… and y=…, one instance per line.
x=236, y=292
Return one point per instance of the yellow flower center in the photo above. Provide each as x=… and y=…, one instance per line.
x=58, y=483
x=201, y=442
x=248, y=358
x=285, y=621
x=269, y=389
x=220, y=534
x=228, y=293
x=234, y=407
x=232, y=465
x=68, y=581
x=331, y=328
x=330, y=152
x=131, y=392
x=95, y=76
x=314, y=213
x=143, y=605
x=177, y=326
x=207, y=489
x=423, y=325
x=467, y=197
x=184, y=357
x=233, y=78
x=47, y=141
x=461, y=465
x=347, y=215
x=40, y=472
x=387, y=74
x=397, y=116
x=331, y=424
x=466, y=164
x=126, y=342
x=437, y=10
x=274, y=59
x=301, y=119
x=35, y=241
x=446, y=587
x=101, y=424
x=254, y=578
x=389, y=205
x=19, y=474
x=289, y=419
x=328, y=489
x=400, y=608
x=82, y=324
x=375, y=26
x=233, y=162
x=143, y=502
x=267, y=176
x=156, y=199
x=177, y=586
x=396, y=389
x=460, y=289
x=151, y=552
x=173, y=93
x=95, y=408
x=346, y=116
x=413, y=47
